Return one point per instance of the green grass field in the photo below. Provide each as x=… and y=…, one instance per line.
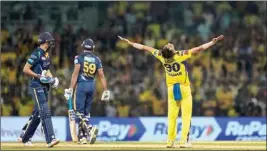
x=216, y=145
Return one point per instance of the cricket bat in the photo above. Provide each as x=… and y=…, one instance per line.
x=72, y=122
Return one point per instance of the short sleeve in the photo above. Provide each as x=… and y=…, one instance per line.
x=157, y=55
x=76, y=60
x=182, y=55
x=34, y=58
x=99, y=64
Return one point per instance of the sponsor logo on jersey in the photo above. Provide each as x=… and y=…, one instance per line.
x=46, y=64
x=89, y=59
x=43, y=58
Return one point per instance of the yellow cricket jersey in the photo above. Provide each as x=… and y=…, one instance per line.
x=176, y=67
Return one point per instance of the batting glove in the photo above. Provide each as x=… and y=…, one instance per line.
x=55, y=83
x=68, y=93
x=45, y=79
x=44, y=72
x=105, y=95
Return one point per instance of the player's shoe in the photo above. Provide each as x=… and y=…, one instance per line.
x=83, y=140
x=53, y=143
x=28, y=143
x=93, y=134
x=170, y=144
x=186, y=145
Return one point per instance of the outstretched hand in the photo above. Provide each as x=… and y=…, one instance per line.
x=124, y=39
x=215, y=40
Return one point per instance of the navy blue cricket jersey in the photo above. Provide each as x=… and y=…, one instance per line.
x=90, y=63
x=40, y=61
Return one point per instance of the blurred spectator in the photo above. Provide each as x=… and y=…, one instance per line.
x=111, y=110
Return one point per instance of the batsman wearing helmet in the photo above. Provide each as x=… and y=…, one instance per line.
x=86, y=66
x=177, y=80
x=37, y=67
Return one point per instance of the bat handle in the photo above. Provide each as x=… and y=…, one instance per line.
x=70, y=103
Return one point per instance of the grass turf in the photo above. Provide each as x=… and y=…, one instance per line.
x=215, y=145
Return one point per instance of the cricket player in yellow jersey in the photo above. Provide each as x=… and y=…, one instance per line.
x=178, y=83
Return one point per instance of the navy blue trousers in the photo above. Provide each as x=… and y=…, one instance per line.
x=83, y=97
x=41, y=113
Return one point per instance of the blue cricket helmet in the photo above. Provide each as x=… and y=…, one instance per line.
x=46, y=37
x=88, y=44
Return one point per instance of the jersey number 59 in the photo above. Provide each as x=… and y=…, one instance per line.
x=89, y=69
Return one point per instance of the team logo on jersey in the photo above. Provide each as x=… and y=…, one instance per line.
x=46, y=63
x=76, y=61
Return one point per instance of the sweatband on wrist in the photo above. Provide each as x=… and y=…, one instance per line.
x=138, y=46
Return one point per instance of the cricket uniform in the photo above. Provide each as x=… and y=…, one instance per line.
x=179, y=92
x=83, y=94
x=40, y=61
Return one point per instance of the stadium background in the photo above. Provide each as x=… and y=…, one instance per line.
x=229, y=80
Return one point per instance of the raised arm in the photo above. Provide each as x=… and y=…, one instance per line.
x=138, y=46
x=205, y=46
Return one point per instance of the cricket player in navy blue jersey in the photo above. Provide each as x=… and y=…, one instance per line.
x=87, y=65
x=37, y=67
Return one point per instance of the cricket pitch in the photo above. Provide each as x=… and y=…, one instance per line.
x=197, y=145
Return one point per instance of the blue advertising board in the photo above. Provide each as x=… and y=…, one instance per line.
x=117, y=129
x=11, y=128
x=242, y=129
x=149, y=128
x=202, y=128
